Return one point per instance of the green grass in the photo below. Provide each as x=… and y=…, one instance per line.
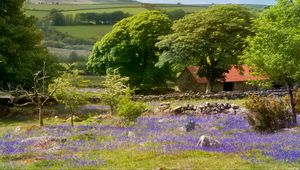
x=89, y=81
x=38, y=14
x=185, y=8
x=131, y=158
x=48, y=7
x=85, y=31
x=130, y=10
x=41, y=10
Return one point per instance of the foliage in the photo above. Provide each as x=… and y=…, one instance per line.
x=73, y=57
x=95, y=31
x=115, y=87
x=267, y=114
x=274, y=50
x=130, y=47
x=59, y=39
x=211, y=39
x=176, y=14
x=130, y=110
x=67, y=94
x=58, y=18
x=21, y=52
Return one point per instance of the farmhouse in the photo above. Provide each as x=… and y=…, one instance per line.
x=235, y=80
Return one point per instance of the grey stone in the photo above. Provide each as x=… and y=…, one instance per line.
x=235, y=106
x=43, y=138
x=207, y=141
x=131, y=134
x=190, y=126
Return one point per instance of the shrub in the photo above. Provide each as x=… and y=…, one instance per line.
x=55, y=44
x=267, y=114
x=115, y=88
x=130, y=110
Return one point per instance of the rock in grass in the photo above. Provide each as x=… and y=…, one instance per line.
x=164, y=106
x=190, y=126
x=235, y=107
x=207, y=141
x=178, y=110
x=75, y=119
x=17, y=129
x=131, y=134
x=43, y=138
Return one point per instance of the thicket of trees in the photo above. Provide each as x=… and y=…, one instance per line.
x=58, y=18
x=146, y=48
x=130, y=46
x=211, y=39
x=21, y=52
x=274, y=51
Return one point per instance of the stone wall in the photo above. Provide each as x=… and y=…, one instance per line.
x=220, y=95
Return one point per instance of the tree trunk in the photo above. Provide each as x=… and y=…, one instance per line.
x=41, y=115
x=292, y=103
x=72, y=119
x=208, y=87
x=112, y=110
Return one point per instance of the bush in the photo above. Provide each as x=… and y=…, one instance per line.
x=130, y=110
x=268, y=114
x=55, y=44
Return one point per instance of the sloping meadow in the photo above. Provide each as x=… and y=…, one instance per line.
x=99, y=145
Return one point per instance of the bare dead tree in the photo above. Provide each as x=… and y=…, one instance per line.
x=37, y=96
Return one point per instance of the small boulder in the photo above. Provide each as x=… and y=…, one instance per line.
x=178, y=110
x=164, y=106
x=17, y=129
x=75, y=119
x=207, y=141
x=231, y=111
x=190, y=126
x=235, y=107
x=131, y=134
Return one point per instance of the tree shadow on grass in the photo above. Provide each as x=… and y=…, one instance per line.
x=15, y=115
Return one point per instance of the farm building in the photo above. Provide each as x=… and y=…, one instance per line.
x=235, y=80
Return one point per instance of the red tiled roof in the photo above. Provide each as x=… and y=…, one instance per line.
x=234, y=75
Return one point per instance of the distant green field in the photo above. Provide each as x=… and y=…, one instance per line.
x=98, y=31
x=128, y=10
x=48, y=7
x=41, y=10
x=38, y=14
x=85, y=31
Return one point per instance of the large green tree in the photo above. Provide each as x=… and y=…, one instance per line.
x=21, y=53
x=130, y=47
x=211, y=39
x=274, y=51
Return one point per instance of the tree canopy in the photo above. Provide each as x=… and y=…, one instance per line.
x=21, y=53
x=211, y=39
x=130, y=47
x=274, y=51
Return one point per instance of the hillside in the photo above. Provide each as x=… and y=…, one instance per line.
x=79, y=1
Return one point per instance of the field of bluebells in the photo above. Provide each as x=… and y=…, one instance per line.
x=105, y=145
